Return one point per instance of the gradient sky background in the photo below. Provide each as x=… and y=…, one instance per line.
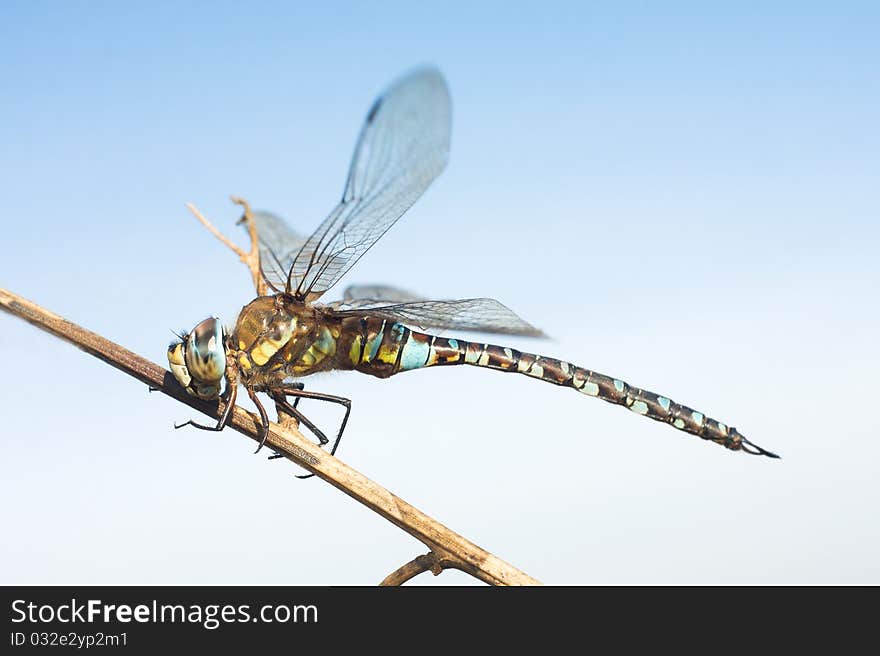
x=683, y=197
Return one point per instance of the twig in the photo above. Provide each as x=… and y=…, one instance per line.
x=465, y=555
x=251, y=259
x=430, y=561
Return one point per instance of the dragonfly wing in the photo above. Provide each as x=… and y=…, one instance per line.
x=379, y=293
x=403, y=146
x=278, y=244
x=478, y=314
x=364, y=297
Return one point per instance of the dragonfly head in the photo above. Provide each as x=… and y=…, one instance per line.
x=198, y=362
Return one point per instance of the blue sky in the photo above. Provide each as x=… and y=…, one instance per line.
x=683, y=196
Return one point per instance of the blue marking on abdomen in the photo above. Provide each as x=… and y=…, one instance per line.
x=414, y=355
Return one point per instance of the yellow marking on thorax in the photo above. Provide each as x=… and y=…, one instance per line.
x=323, y=347
x=264, y=348
x=263, y=351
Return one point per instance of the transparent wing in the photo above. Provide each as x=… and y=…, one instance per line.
x=379, y=293
x=403, y=146
x=279, y=244
x=371, y=296
x=481, y=314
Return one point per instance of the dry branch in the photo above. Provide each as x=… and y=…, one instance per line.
x=430, y=561
x=448, y=548
x=251, y=259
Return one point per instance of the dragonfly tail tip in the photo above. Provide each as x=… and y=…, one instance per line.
x=755, y=450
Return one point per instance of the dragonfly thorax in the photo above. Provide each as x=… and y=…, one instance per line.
x=271, y=336
x=198, y=361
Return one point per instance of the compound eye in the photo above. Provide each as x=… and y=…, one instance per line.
x=205, y=352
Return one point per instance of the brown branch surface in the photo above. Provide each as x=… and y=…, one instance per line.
x=455, y=550
x=251, y=259
x=430, y=561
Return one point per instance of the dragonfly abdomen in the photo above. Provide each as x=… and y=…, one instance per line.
x=390, y=348
x=612, y=390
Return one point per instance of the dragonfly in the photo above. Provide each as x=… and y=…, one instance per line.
x=286, y=334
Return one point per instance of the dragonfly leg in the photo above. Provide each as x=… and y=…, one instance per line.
x=224, y=418
x=300, y=387
x=320, y=396
x=299, y=417
x=298, y=391
x=264, y=418
x=281, y=402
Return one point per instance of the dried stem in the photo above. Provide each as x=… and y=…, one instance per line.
x=457, y=551
x=430, y=561
x=251, y=259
